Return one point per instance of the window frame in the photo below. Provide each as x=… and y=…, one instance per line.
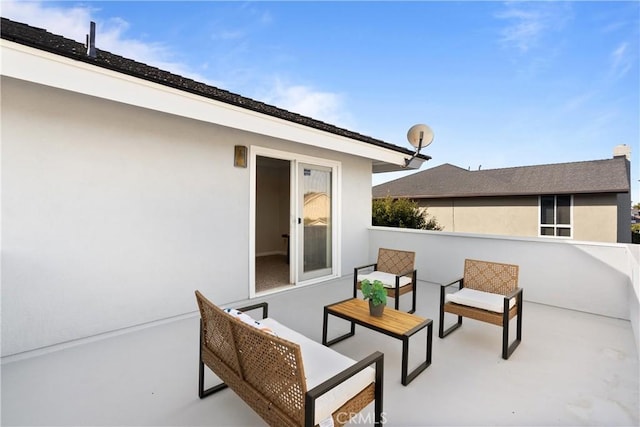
x=555, y=225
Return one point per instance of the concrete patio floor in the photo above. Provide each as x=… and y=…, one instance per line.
x=571, y=369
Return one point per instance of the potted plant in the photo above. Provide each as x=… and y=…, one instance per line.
x=376, y=293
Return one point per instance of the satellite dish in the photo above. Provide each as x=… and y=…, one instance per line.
x=420, y=136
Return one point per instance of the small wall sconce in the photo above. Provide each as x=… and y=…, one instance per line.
x=240, y=156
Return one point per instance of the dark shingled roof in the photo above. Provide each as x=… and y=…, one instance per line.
x=41, y=39
x=596, y=176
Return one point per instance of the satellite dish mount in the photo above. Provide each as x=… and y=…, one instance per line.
x=419, y=136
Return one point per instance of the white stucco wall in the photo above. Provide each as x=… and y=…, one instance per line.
x=585, y=276
x=633, y=258
x=112, y=215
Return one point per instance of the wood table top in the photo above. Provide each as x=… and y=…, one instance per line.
x=392, y=320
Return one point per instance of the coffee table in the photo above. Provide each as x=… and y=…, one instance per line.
x=394, y=323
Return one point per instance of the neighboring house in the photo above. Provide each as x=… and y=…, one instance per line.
x=587, y=200
x=317, y=208
x=123, y=191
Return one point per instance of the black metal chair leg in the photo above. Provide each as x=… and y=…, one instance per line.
x=413, y=298
x=202, y=393
x=441, y=331
x=505, y=334
x=507, y=349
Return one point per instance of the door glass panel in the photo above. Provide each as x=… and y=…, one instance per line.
x=316, y=221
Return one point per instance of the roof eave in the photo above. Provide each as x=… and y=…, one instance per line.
x=504, y=194
x=387, y=155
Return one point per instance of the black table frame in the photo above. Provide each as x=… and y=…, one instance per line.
x=406, y=377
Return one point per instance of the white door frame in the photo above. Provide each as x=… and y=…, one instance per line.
x=294, y=214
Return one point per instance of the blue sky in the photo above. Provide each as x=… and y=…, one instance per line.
x=501, y=83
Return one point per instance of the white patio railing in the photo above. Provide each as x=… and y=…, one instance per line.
x=599, y=278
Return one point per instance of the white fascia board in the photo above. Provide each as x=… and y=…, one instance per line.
x=41, y=67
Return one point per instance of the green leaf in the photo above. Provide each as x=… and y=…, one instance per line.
x=376, y=292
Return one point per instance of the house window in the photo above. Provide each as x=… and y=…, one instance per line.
x=555, y=216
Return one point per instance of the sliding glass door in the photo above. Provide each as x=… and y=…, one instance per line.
x=315, y=223
x=294, y=220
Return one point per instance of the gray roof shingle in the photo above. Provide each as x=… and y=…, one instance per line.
x=41, y=39
x=596, y=176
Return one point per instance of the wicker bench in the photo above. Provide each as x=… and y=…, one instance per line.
x=286, y=378
x=488, y=292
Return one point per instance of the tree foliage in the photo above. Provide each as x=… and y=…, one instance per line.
x=402, y=213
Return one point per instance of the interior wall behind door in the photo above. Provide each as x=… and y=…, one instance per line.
x=272, y=205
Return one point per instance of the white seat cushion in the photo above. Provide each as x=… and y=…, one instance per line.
x=247, y=319
x=479, y=299
x=387, y=279
x=320, y=364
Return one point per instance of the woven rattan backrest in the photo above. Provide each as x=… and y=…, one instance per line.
x=395, y=261
x=218, y=336
x=273, y=366
x=491, y=277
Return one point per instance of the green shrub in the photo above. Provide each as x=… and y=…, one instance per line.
x=401, y=213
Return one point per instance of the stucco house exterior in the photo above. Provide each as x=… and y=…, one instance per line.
x=586, y=200
x=125, y=188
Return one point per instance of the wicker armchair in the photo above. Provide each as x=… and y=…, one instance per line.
x=267, y=371
x=488, y=292
x=395, y=269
